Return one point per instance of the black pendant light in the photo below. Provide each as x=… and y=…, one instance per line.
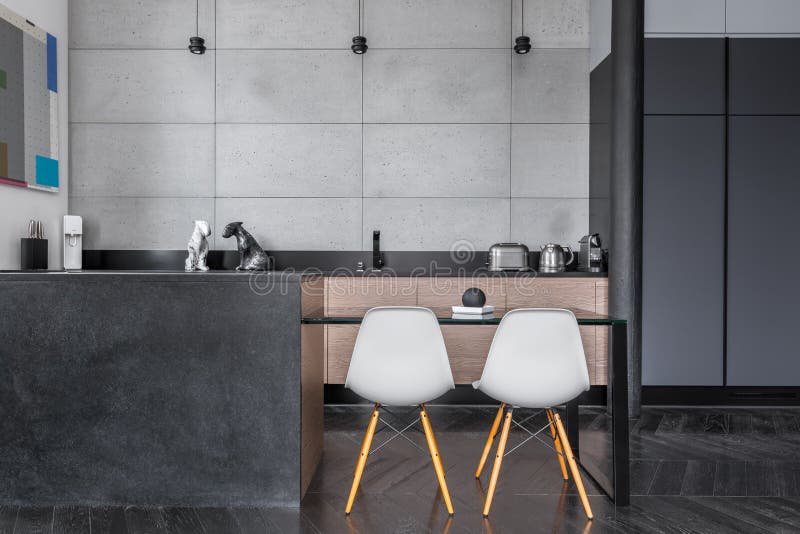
x=523, y=42
x=197, y=45
x=359, y=41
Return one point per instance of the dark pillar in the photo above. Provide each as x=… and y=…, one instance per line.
x=625, y=263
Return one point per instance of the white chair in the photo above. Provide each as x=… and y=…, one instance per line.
x=536, y=361
x=399, y=359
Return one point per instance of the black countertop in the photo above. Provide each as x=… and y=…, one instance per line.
x=283, y=275
x=396, y=263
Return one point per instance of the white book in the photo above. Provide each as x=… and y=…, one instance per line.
x=473, y=311
x=473, y=317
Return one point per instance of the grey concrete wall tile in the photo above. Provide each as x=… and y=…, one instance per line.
x=764, y=16
x=686, y=16
x=141, y=86
x=321, y=86
x=152, y=160
x=431, y=86
x=549, y=24
x=550, y=160
x=551, y=86
x=440, y=24
x=294, y=223
x=140, y=223
x=538, y=221
x=295, y=24
x=436, y=160
x=289, y=160
x=436, y=223
x=153, y=24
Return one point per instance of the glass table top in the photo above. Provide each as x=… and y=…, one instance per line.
x=584, y=318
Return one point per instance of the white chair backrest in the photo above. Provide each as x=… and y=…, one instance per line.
x=399, y=357
x=536, y=359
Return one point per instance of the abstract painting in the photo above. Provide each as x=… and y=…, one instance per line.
x=28, y=104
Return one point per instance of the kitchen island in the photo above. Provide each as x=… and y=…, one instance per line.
x=164, y=388
x=207, y=389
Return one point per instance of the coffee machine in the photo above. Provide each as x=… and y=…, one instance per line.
x=73, y=243
x=590, y=257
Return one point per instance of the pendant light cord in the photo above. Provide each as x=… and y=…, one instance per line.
x=359, y=17
x=523, y=17
x=197, y=17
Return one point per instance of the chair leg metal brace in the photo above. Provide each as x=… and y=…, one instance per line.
x=562, y=448
x=436, y=457
x=362, y=459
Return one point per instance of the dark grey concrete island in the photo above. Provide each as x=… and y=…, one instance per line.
x=156, y=388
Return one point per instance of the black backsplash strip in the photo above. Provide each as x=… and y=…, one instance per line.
x=402, y=263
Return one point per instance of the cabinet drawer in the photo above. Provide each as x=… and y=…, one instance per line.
x=572, y=294
x=341, y=340
x=439, y=294
x=467, y=348
x=353, y=296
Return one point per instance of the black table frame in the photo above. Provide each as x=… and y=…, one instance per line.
x=617, y=486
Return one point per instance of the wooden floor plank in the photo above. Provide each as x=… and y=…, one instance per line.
x=143, y=520
x=668, y=478
x=108, y=520
x=180, y=520
x=34, y=520
x=698, y=480
x=8, y=516
x=217, y=520
x=730, y=479
x=69, y=519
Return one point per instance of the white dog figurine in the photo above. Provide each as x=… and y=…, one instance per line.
x=198, y=247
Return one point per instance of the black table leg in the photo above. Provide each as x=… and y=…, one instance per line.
x=573, y=435
x=619, y=414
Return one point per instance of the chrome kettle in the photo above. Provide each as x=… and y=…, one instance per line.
x=554, y=259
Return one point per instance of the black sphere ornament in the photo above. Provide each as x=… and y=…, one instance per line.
x=473, y=298
x=523, y=45
x=359, y=45
x=197, y=45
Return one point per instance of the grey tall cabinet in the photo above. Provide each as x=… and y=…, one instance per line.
x=683, y=212
x=721, y=194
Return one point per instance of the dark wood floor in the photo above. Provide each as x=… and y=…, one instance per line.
x=693, y=470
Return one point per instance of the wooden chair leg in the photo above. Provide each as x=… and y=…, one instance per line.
x=490, y=439
x=557, y=443
x=573, y=466
x=498, y=459
x=435, y=457
x=362, y=459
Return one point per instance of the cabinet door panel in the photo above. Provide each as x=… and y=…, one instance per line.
x=763, y=199
x=683, y=251
x=341, y=340
x=440, y=294
x=353, y=295
x=571, y=293
x=684, y=76
x=764, y=76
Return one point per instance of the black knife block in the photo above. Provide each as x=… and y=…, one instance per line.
x=33, y=254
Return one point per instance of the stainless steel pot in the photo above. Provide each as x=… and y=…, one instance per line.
x=554, y=259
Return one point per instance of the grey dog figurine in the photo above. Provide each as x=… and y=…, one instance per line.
x=251, y=256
